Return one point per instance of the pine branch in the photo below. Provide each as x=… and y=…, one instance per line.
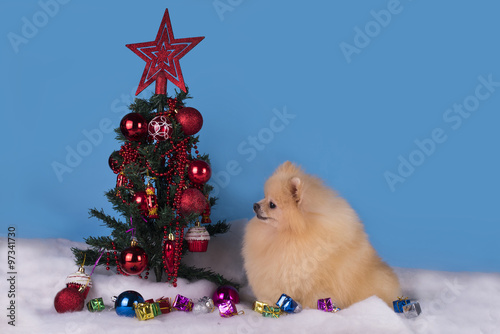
x=218, y=228
x=193, y=273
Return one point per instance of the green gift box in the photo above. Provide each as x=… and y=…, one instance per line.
x=95, y=305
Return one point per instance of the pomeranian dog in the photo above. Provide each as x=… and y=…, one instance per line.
x=307, y=242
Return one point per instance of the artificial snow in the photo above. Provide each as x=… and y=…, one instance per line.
x=451, y=302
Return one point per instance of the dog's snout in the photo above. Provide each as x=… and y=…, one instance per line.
x=256, y=207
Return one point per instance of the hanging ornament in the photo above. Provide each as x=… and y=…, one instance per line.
x=134, y=259
x=190, y=120
x=169, y=253
x=197, y=238
x=140, y=198
x=133, y=126
x=151, y=201
x=121, y=180
x=225, y=293
x=79, y=280
x=160, y=128
x=69, y=299
x=192, y=201
x=205, y=217
x=199, y=171
x=124, y=303
x=115, y=162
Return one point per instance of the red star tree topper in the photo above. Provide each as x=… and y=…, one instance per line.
x=162, y=57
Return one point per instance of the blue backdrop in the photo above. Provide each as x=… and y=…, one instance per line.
x=393, y=103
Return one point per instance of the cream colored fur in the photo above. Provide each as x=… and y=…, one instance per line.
x=311, y=245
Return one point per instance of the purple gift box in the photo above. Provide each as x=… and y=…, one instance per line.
x=327, y=305
x=182, y=303
x=228, y=309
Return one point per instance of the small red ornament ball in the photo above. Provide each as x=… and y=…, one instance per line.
x=115, y=162
x=199, y=171
x=133, y=260
x=192, y=201
x=140, y=198
x=69, y=299
x=134, y=126
x=160, y=128
x=190, y=120
x=225, y=293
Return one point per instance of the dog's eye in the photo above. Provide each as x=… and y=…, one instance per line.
x=272, y=205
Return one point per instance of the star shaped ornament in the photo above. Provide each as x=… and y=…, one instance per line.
x=162, y=57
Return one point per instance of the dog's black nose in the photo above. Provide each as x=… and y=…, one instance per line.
x=256, y=207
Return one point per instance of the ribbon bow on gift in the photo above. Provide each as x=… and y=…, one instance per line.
x=271, y=311
x=398, y=304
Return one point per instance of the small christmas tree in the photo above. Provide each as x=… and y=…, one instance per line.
x=161, y=183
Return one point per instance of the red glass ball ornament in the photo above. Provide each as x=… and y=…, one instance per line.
x=190, y=120
x=141, y=198
x=225, y=293
x=133, y=260
x=133, y=126
x=160, y=128
x=192, y=201
x=115, y=161
x=69, y=299
x=199, y=171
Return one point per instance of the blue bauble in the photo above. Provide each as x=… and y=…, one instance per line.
x=124, y=303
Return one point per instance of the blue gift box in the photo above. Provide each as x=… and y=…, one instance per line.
x=287, y=304
x=398, y=304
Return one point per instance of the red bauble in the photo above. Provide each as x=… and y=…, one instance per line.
x=199, y=171
x=190, y=120
x=192, y=201
x=115, y=162
x=133, y=260
x=141, y=199
x=160, y=128
x=133, y=126
x=225, y=293
x=69, y=299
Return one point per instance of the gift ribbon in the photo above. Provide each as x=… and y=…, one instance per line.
x=271, y=311
x=132, y=229
x=96, y=262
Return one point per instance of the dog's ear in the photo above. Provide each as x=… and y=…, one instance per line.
x=296, y=189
